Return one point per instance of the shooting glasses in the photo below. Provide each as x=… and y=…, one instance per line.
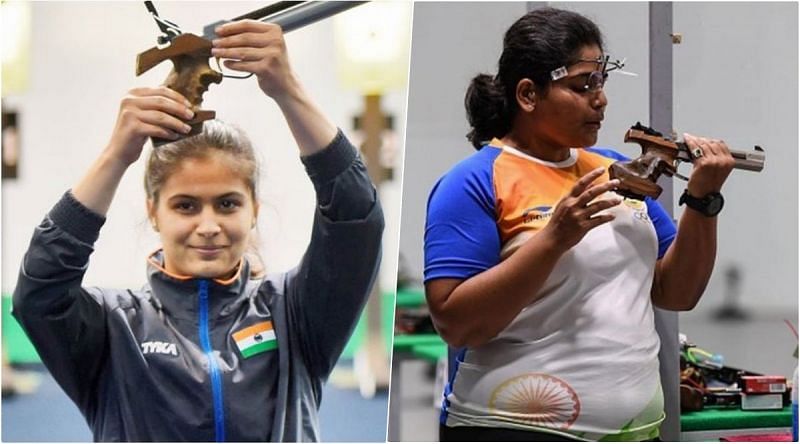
x=595, y=79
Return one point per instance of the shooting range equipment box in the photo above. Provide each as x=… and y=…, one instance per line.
x=759, y=385
x=763, y=392
x=772, y=401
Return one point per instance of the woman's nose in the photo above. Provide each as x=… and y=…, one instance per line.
x=208, y=225
x=600, y=100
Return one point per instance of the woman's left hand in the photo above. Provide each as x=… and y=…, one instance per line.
x=711, y=168
x=258, y=48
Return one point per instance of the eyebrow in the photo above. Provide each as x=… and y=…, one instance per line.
x=221, y=196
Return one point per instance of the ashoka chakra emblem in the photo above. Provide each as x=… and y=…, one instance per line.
x=538, y=399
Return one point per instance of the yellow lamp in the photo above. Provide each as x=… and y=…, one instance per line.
x=372, y=46
x=15, y=41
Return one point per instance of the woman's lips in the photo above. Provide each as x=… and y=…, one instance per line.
x=209, y=251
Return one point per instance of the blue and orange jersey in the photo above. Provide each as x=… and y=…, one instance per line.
x=498, y=193
x=588, y=330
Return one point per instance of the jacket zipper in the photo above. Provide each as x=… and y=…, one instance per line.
x=216, y=380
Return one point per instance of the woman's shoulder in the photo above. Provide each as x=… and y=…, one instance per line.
x=477, y=167
x=468, y=182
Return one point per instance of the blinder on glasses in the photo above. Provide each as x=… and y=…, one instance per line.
x=596, y=79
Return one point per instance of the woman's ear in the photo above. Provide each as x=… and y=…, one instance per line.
x=526, y=95
x=256, y=206
x=151, y=214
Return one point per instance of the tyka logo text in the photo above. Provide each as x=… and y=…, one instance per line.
x=163, y=348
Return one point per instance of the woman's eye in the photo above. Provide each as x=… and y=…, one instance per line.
x=228, y=204
x=184, y=207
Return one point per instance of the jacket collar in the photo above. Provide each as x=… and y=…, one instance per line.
x=179, y=296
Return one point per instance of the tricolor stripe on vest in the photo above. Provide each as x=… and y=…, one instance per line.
x=256, y=339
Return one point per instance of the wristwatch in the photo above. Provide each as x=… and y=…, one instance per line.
x=709, y=205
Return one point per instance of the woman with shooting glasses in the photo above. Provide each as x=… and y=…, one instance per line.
x=210, y=349
x=541, y=274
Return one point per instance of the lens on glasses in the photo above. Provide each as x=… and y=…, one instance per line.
x=595, y=81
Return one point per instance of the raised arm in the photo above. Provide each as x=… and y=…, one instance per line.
x=327, y=291
x=65, y=321
x=259, y=48
x=143, y=113
x=682, y=274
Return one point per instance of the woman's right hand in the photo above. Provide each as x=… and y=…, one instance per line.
x=148, y=112
x=576, y=214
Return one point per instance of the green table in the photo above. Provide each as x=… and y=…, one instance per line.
x=728, y=418
x=406, y=343
x=410, y=298
x=16, y=345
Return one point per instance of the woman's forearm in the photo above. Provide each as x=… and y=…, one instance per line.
x=97, y=187
x=480, y=307
x=144, y=113
x=310, y=127
x=683, y=273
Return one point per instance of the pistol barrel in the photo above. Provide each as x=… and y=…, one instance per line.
x=749, y=160
x=291, y=15
x=743, y=160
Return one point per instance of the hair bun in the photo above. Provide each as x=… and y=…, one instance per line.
x=487, y=111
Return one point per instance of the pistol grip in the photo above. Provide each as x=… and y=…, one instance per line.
x=196, y=123
x=638, y=177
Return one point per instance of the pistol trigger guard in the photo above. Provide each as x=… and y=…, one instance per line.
x=230, y=76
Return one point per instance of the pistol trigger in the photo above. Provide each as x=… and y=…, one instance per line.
x=219, y=67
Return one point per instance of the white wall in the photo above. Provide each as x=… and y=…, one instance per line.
x=82, y=63
x=735, y=78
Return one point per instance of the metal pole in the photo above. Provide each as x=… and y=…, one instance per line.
x=661, y=98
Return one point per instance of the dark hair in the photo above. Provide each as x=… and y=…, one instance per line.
x=216, y=136
x=539, y=42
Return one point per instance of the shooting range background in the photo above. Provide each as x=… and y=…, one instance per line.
x=735, y=77
x=82, y=62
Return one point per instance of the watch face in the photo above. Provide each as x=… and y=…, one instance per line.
x=710, y=205
x=714, y=205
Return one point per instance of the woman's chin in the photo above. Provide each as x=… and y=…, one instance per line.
x=213, y=271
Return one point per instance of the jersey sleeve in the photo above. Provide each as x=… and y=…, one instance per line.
x=64, y=321
x=662, y=222
x=329, y=288
x=461, y=234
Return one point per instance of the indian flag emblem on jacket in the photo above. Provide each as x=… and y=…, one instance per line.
x=256, y=339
